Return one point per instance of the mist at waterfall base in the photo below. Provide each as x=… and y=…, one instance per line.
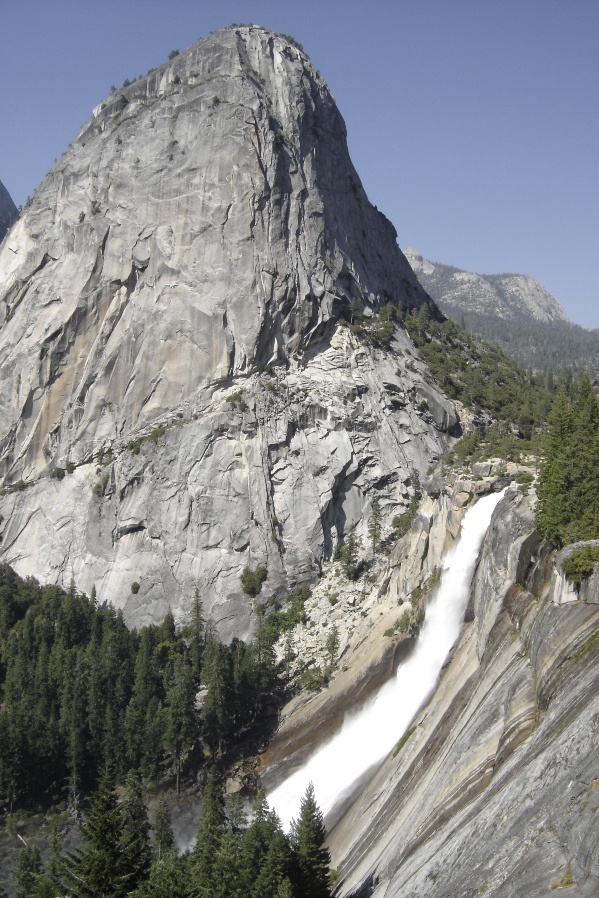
x=368, y=736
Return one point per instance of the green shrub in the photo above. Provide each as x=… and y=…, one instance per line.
x=237, y=401
x=278, y=621
x=252, y=580
x=58, y=474
x=157, y=433
x=580, y=564
x=18, y=487
x=525, y=478
x=313, y=679
x=99, y=488
x=402, y=624
x=403, y=741
x=135, y=587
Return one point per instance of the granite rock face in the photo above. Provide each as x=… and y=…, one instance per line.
x=495, y=790
x=206, y=222
x=8, y=211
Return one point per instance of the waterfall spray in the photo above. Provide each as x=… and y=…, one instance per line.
x=368, y=736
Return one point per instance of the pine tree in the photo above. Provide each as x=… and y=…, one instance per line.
x=197, y=637
x=168, y=878
x=349, y=554
x=275, y=868
x=135, y=832
x=217, y=676
x=28, y=875
x=375, y=524
x=226, y=875
x=307, y=838
x=333, y=643
x=181, y=717
x=99, y=869
x=55, y=848
x=266, y=857
x=164, y=840
x=210, y=831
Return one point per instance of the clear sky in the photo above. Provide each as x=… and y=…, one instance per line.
x=474, y=124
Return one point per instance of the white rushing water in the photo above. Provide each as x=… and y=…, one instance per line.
x=368, y=736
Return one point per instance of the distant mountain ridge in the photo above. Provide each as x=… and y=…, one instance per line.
x=8, y=211
x=514, y=311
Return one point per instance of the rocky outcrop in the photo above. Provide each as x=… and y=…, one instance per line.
x=8, y=211
x=494, y=791
x=205, y=224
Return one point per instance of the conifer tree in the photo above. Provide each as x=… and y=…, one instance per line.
x=99, y=869
x=197, y=637
x=135, y=832
x=181, y=717
x=349, y=554
x=55, y=849
x=307, y=838
x=226, y=875
x=217, y=676
x=28, y=878
x=164, y=840
x=275, y=869
x=375, y=524
x=210, y=831
x=332, y=644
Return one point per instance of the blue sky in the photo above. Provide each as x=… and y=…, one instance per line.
x=473, y=124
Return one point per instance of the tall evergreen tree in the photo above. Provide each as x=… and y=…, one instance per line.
x=307, y=838
x=135, y=832
x=181, y=717
x=375, y=524
x=196, y=635
x=164, y=840
x=99, y=869
x=210, y=832
x=28, y=877
x=349, y=554
x=217, y=676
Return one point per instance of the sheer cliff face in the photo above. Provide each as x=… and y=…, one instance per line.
x=8, y=211
x=205, y=222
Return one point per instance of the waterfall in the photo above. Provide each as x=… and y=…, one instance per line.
x=367, y=737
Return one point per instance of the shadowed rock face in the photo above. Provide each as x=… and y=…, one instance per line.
x=8, y=211
x=205, y=222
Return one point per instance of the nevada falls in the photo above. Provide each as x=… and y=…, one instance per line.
x=215, y=362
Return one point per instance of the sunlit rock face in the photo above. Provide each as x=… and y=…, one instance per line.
x=207, y=221
x=8, y=211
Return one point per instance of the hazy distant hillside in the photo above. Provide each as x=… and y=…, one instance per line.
x=512, y=310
